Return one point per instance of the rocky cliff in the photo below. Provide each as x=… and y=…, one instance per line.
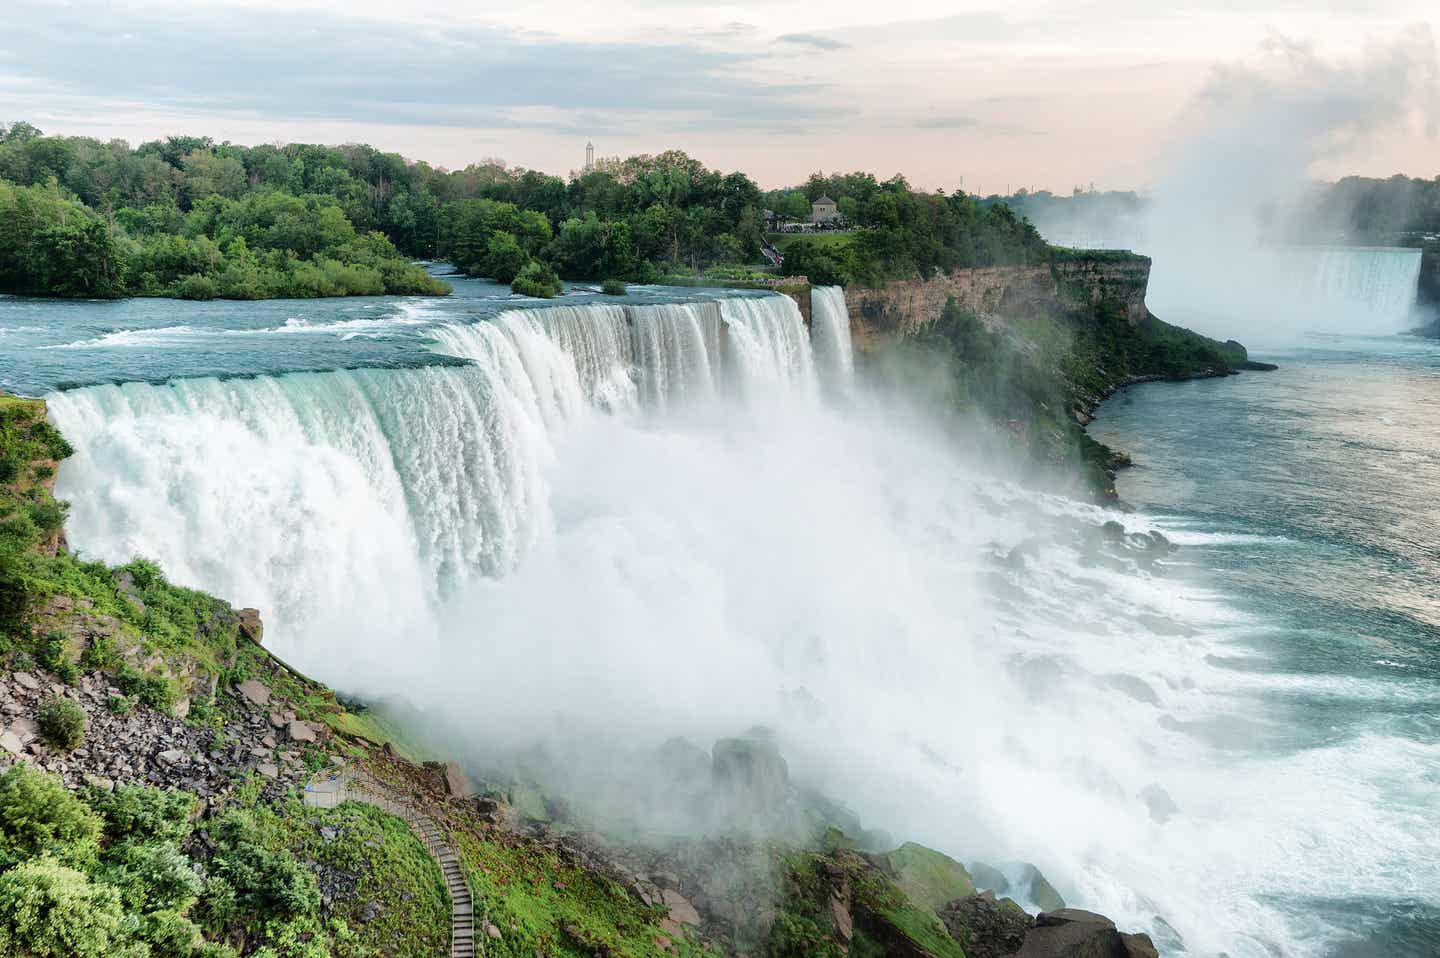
x=905, y=307
x=1032, y=350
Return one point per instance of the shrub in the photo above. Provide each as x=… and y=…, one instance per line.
x=119, y=704
x=50, y=911
x=100, y=654
x=62, y=723
x=155, y=691
x=197, y=286
x=141, y=813
x=538, y=280
x=613, y=287
x=51, y=652
x=151, y=875
x=39, y=815
x=48, y=515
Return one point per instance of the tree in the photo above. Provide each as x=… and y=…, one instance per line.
x=504, y=258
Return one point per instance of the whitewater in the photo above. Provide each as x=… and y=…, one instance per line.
x=593, y=527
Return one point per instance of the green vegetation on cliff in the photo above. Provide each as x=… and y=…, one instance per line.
x=1037, y=372
x=127, y=871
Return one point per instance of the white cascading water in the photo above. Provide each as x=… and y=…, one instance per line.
x=1378, y=284
x=1263, y=294
x=830, y=334
x=932, y=645
x=430, y=478
x=677, y=351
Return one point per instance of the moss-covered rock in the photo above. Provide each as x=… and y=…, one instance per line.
x=929, y=878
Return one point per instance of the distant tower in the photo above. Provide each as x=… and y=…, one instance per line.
x=589, y=157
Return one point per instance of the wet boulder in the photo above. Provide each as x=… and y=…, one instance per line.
x=1039, y=890
x=1075, y=933
x=986, y=926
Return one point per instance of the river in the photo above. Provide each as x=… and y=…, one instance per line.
x=1310, y=499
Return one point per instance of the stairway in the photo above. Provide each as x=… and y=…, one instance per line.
x=365, y=789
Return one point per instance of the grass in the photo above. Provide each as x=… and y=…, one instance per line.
x=832, y=240
x=396, y=892
x=545, y=905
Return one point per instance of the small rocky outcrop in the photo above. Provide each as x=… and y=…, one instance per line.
x=1075, y=933
x=751, y=779
x=986, y=926
x=250, y=625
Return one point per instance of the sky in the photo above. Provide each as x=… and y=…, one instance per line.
x=986, y=95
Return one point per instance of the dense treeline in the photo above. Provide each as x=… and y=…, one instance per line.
x=902, y=233
x=188, y=217
x=181, y=218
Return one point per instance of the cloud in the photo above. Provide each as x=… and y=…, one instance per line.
x=812, y=40
x=314, y=65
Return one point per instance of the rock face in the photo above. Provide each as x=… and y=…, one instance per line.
x=250, y=625
x=1073, y=933
x=905, y=307
x=456, y=783
x=1040, y=891
x=256, y=693
x=750, y=778
x=986, y=926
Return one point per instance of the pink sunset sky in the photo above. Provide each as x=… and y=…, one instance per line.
x=1028, y=93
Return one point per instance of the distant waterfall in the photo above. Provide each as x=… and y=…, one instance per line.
x=1377, y=285
x=1260, y=293
x=322, y=497
x=830, y=334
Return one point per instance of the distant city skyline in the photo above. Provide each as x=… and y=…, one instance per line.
x=1035, y=93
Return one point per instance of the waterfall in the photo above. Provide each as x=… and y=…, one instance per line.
x=830, y=334
x=354, y=502
x=1377, y=285
x=1260, y=293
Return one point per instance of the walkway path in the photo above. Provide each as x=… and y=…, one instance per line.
x=357, y=788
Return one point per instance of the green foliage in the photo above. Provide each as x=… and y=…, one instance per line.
x=62, y=724
x=38, y=816
x=929, y=878
x=143, y=813
x=150, y=875
x=100, y=654
x=119, y=704
x=51, y=652
x=504, y=257
x=538, y=280
x=50, y=911
x=613, y=287
x=53, y=245
x=156, y=691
